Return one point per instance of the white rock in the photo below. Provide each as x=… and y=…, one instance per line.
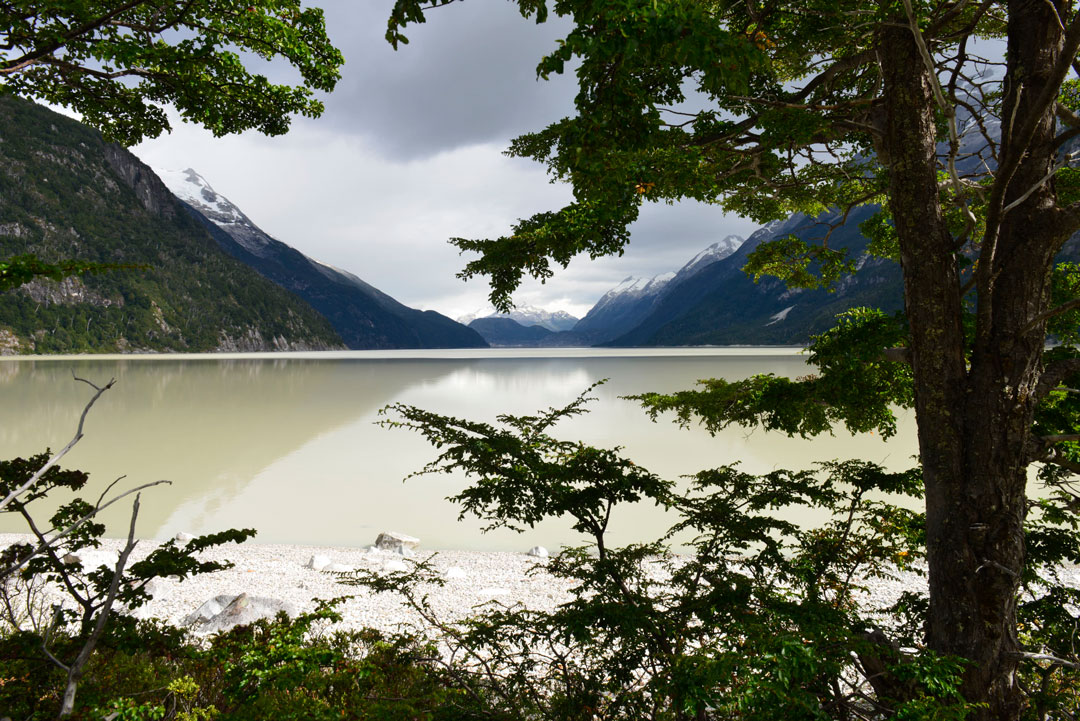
x=454, y=572
x=395, y=567
x=397, y=542
x=208, y=610
x=183, y=537
x=92, y=558
x=318, y=562
x=538, y=552
x=245, y=609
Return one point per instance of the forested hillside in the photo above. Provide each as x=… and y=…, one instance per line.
x=65, y=193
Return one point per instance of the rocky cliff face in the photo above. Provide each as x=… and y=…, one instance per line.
x=138, y=176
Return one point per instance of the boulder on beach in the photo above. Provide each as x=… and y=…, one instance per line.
x=318, y=562
x=538, y=552
x=222, y=613
x=91, y=559
x=396, y=542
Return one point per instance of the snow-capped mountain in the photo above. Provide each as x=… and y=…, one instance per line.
x=717, y=251
x=364, y=316
x=527, y=315
x=627, y=304
x=192, y=188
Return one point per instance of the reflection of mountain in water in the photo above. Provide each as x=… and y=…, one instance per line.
x=207, y=425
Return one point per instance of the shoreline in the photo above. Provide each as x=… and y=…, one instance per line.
x=281, y=572
x=471, y=579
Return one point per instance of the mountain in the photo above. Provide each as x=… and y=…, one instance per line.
x=508, y=332
x=528, y=315
x=720, y=305
x=66, y=193
x=364, y=316
x=626, y=305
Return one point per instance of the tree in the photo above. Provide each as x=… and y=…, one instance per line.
x=770, y=108
x=117, y=61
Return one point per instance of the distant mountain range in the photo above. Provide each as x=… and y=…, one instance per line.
x=214, y=281
x=622, y=308
x=364, y=316
x=527, y=316
x=710, y=301
x=507, y=332
x=720, y=305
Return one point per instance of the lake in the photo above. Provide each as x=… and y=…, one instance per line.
x=287, y=443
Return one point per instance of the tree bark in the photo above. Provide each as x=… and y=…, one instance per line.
x=975, y=421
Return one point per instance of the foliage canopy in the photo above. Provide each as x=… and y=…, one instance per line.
x=117, y=62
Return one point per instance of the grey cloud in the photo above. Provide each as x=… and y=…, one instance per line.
x=467, y=76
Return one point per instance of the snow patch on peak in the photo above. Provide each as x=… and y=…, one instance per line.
x=638, y=287
x=193, y=189
x=717, y=251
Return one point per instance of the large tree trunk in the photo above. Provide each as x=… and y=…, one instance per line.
x=975, y=423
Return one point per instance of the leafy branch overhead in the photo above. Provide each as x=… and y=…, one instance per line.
x=859, y=382
x=119, y=63
x=21, y=269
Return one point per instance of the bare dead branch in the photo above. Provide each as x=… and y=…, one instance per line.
x=1042, y=181
x=63, y=451
x=51, y=540
x=1060, y=437
x=1048, y=314
x=1027, y=655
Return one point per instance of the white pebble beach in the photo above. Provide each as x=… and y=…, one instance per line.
x=472, y=578
x=279, y=572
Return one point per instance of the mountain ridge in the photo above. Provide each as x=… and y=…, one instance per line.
x=364, y=316
x=65, y=192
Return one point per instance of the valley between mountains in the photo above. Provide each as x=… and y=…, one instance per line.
x=204, y=277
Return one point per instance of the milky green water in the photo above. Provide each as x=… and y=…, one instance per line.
x=287, y=443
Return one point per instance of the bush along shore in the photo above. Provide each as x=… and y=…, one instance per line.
x=239, y=641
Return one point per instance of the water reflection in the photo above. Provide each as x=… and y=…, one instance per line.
x=290, y=446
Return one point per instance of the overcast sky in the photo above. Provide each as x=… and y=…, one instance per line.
x=409, y=154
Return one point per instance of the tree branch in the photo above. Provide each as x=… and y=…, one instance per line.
x=1060, y=437
x=48, y=542
x=1029, y=656
x=77, y=666
x=31, y=57
x=63, y=451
